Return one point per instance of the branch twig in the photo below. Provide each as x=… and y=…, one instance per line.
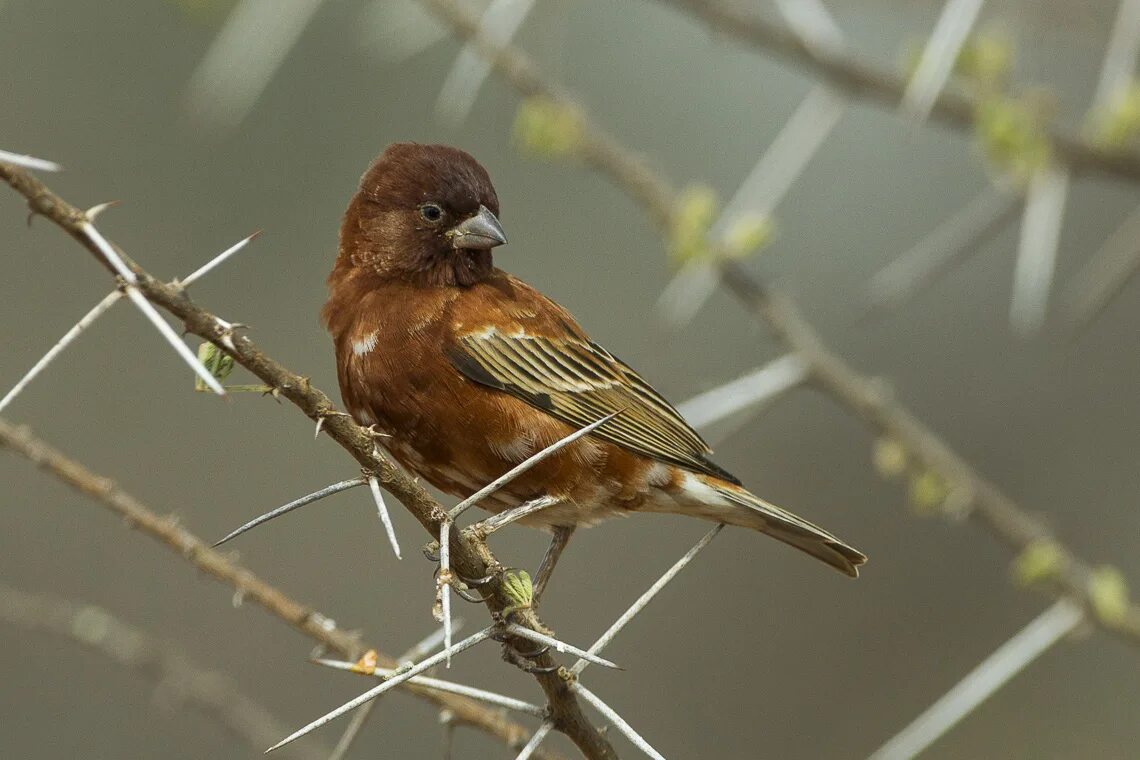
x=167, y=530
x=885, y=88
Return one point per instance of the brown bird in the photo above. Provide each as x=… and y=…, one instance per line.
x=470, y=371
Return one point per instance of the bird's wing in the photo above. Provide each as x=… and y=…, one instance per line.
x=579, y=382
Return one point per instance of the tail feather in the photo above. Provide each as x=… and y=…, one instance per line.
x=750, y=511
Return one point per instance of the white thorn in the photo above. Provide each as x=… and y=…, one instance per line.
x=498, y=24
x=148, y=310
x=561, y=646
x=760, y=385
x=29, y=162
x=646, y=598
x=343, y=485
x=1037, y=249
x=93, y=213
x=1118, y=68
x=939, y=56
x=385, y=518
x=813, y=23
x=390, y=683
x=445, y=582
x=1008, y=660
x=244, y=56
x=490, y=697
x=109, y=253
x=197, y=273
x=506, y=517
x=955, y=237
x=110, y=300
x=519, y=469
x=396, y=30
x=535, y=740
x=619, y=722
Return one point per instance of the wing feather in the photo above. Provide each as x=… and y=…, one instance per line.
x=580, y=382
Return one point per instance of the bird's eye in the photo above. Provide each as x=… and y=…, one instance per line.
x=431, y=212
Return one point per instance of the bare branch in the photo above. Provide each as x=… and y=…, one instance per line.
x=186, y=545
x=860, y=79
x=506, y=517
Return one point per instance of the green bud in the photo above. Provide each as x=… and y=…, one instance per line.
x=986, y=59
x=1013, y=135
x=928, y=491
x=1109, y=593
x=889, y=458
x=1118, y=124
x=547, y=129
x=748, y=234
x=1042, y=560
x=694, y=214
x=519, y=591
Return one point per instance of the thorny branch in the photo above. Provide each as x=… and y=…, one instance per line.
x=470, y=556
x=859, y=79
x=981, y=500
x=178, y=679
x=167, y=530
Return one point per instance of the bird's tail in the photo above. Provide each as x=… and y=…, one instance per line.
x=736, y=506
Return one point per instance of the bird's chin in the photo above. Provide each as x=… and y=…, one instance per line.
x=472, y=265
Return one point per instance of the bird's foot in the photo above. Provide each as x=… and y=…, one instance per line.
x=463, y=586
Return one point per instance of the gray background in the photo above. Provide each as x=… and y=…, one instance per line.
x=755, y=651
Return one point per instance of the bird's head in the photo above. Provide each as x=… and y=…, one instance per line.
x=423, y=213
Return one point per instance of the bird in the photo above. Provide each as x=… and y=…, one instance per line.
x=465, y=371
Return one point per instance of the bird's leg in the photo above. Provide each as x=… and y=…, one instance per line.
x=558, y=542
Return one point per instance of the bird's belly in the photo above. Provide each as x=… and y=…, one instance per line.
x=592, y=480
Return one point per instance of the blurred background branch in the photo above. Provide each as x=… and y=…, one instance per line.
x=178, y=681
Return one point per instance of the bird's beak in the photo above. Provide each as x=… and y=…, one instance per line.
x=480, y=232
